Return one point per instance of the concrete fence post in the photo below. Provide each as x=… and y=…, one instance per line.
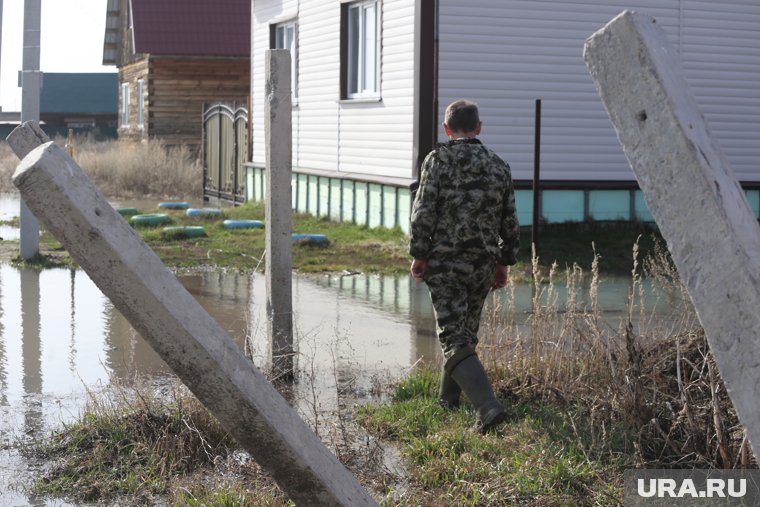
x=194, y=346
x=31, y=84
x=278, y=269
x=692, y=193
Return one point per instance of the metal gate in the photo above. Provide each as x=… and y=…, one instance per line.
x=225, y=149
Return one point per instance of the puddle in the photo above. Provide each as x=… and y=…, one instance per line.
x=60, y=337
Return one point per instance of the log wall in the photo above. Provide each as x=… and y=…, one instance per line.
x=175, y=90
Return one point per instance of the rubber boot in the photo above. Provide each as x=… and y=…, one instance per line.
x=472, y=378
x=448, y=395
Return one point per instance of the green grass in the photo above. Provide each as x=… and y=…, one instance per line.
x=351, y=247
x=232, y=494
x=140, y=450
x=540, y=457
x=571, y=243
x=132, y=449
x=357, y=248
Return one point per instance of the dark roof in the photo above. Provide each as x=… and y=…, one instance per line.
x=192, y=27
x=79, y=93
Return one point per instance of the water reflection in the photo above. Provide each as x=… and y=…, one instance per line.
x=59, y=334
x=31, y=348
x=3, y=356
x=30, y=399
x=398, y=297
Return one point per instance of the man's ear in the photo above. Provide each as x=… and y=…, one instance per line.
x=478, y=128
x=447, y=130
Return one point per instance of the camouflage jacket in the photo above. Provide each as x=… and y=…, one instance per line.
x=465, y=204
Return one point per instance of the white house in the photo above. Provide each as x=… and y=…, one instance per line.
x=373, y=77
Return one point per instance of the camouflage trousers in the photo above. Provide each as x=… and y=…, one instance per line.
x=458, y=289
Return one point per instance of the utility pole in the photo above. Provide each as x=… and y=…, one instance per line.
x=31, y=80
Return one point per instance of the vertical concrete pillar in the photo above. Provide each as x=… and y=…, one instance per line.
x=177, y=327
x=31, y=83
x=279, y=272
x=692, y=193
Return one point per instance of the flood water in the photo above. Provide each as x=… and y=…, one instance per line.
x=61, y=339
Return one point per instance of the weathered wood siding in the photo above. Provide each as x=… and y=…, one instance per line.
x=504, y=54
x=179, y=87
x=358, y=139
x=175, y=90
x=123, y=53
x=130, y=74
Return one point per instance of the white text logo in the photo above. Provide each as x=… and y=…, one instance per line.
x=714, y=488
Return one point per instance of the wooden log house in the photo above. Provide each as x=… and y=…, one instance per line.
x=173, y=56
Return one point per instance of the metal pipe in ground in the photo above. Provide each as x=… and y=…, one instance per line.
x=536, y=175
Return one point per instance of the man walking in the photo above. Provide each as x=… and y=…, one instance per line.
x=464, y=234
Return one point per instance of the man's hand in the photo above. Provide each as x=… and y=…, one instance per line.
x=418, y=269
x=499, y=277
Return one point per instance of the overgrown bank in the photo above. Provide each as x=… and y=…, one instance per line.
x=355, y=248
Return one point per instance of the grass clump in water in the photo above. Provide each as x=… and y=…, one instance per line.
x=136, y=448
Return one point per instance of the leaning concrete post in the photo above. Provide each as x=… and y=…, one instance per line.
x=692, y=193
x=194, y=346
x=279, y=274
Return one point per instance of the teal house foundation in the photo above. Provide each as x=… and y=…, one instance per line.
x=388, y=205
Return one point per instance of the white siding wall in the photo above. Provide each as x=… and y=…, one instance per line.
x=319, y=53
x=504, y=54
x=376, y=138
x=262, y=13
x=367, y=138
x=721, y=57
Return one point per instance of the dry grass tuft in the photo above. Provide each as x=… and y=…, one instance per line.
x=652, y=372
x=127, y=170
x=8, y=163
x=134, y=444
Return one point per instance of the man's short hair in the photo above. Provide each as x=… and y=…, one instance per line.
x=462, y=116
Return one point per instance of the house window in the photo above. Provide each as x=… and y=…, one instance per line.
x=284, y=37
x=360, y=47
x=125, y=105
x=140, y=104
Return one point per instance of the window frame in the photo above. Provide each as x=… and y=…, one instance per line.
x=124, y=119
x=274, y=43
x=352, y=56
x=140, y=104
